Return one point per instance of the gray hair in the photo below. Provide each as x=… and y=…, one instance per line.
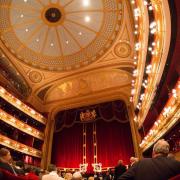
x=161, y=147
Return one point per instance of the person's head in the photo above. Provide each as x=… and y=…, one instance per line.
x=171, y=156
x=52, y=167
x=5, y=155
x=59, y=172
x=120, y=162
x=107, y=172
x=133, y=160
x=77, y=176
x=20, y=164
x=161, y=148
x=68, y=176
x=91, y=178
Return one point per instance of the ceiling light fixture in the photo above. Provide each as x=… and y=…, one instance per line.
x=80, y=33
x=86, y=3
x=132, y=2
x=87, y=18
x=145, y=3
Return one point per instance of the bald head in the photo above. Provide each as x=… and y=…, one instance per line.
x=161, y=148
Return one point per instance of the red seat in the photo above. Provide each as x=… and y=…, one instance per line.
x=8, y=176
x=176, y=177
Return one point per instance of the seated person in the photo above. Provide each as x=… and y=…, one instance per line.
x=30, y=173
x=119, y=169
x=52, y=174
x=159, y=167
x=77, y=176
x=5, y=161
x=132, y=161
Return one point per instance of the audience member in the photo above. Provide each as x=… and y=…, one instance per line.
x=171, y=156
x=91, y=178
x=5, y=161
x=52, y=173
x=19, y=168
x=77, y=176
x=119, y=170
x=107, y=176
x=159, y=167
x=68, y=176
x=132, y=161
x=30, y=174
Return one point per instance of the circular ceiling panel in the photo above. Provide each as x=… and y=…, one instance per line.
x=59, y=34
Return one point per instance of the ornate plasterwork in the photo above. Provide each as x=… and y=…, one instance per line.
x=59, y=36
x=42, y=82
x=35, y=76
x=90, y=83
x=122, y=49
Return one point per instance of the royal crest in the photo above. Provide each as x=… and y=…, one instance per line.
x=88, y=115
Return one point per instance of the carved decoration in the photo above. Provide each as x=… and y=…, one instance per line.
x=122, y=50
x=59, y=37
x=35, y=76
x=88, y=115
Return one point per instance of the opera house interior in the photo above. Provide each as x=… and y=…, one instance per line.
x=86, y=84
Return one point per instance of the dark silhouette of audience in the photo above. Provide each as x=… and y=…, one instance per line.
x=162, y=166
x=159, y=167
x=119, y=169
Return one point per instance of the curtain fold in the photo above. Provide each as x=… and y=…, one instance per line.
x=114, y=142
x=67, y=147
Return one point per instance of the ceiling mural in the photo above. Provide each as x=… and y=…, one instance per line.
x=90, y=83
x=59, y=35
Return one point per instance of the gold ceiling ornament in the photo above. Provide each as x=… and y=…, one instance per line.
x=88, y=115
x=35, y=76
x=122, y=49
x=59, y=36
x=53, y=14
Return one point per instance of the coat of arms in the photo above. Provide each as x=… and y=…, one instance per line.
x=88, y=115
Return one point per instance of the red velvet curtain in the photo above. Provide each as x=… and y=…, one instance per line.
x=68, y=147
x=89, y=146
x=114, y=142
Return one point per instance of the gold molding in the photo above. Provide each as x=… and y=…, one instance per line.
x=162, y=39
x=168, y=117
x=7, y=118
x=47, y=147
x=134, y=131
x=5, y=141
x=21, y=106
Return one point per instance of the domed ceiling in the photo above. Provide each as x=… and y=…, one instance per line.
x=68, y=53
x=59, y=35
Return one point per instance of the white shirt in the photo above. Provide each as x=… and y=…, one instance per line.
x=52, y=176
